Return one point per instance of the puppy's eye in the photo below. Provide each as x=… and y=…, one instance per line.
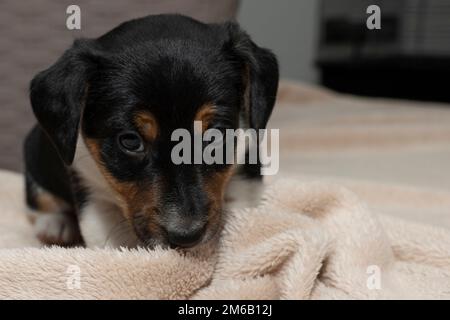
x=130, y=142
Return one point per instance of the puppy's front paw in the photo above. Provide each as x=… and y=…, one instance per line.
x=57, y=229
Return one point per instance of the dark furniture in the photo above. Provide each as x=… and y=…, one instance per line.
x=409, y=57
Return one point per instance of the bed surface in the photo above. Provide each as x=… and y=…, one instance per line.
x=401, y=148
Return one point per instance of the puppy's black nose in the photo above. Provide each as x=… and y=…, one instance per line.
x=185, y=237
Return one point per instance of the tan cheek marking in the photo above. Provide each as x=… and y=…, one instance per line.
x=205, y=114
x=147, y=125
x=215, y=187
x=217, y=182
x=147, y=202
x=126, y=191
x=133, y=198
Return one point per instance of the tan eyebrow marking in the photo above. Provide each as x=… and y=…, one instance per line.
x=147, y=125
x=205, y=114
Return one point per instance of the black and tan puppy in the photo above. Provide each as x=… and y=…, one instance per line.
x=98, y=164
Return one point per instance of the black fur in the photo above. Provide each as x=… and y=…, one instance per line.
x=168, y=64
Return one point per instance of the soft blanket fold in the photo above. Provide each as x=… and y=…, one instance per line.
x=305, y=241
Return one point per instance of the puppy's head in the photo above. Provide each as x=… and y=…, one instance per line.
x=127, y=91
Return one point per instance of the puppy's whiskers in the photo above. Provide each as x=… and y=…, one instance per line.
x=118, y=230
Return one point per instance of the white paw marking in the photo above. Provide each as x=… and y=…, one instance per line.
x=55, y=228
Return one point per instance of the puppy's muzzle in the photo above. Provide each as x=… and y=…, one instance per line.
x=184, y=232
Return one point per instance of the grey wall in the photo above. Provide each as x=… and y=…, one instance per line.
x=289, y=28
x=33, y=35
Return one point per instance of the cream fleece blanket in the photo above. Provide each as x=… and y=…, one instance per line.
x=304, y=241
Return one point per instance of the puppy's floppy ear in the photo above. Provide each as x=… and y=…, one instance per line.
x=261, y=75
x=57, y=96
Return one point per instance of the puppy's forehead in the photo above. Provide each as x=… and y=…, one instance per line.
x=172, y=80
x=179, y=92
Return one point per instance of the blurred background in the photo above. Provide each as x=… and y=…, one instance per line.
x=324, y=43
